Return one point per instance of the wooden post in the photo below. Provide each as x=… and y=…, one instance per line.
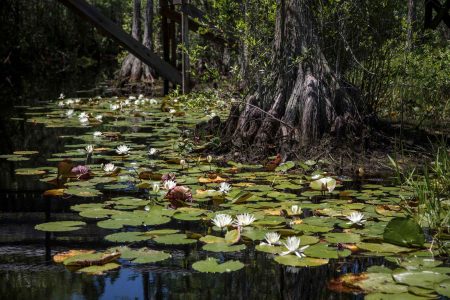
x=185, y=64
x=165, y=36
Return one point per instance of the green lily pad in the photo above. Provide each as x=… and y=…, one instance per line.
x=223, y=247
x=423, y=279
x=311, y=228
x=82, y=192
x=174, y=239
x=143, y=255
x=210, y=239
x=270, y=249
x=382, y=248
x=380, y=282
x=212, y=265
x=404, y=232
x=443, y=288
x=60, y=226
x=127, y=237
x=99, y=270
x=398, y=296
x=324, y=251
x=295, y=261
x=345, y=238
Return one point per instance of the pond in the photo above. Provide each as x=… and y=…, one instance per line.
x=127, y=178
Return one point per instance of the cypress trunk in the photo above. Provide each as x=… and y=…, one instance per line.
x=301, y=99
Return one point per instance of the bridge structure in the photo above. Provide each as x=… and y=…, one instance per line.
x=181, y=12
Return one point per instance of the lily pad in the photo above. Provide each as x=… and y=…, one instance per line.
x=223, y=247
x=127, y=237
x=174, y=239
x=423, y=279
x=212, y=265
x=143, y=255
x=99, y=270
x=60, y=226
x=295, y=261
x=404, y=232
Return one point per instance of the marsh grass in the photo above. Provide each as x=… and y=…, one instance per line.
x=431, y=204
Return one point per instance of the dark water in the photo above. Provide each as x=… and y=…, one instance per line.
x=27, y=271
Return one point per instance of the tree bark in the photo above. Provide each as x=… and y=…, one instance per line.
x=411, y=21
x=303, y=99
x=133, y=69
x=148, y=37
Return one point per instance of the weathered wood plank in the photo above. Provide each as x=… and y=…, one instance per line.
x=94, y=16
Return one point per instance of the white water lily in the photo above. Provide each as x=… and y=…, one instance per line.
x=122, y=149
x=356, y=218
x=272, y=238
x=224, y=188
x=292, y=245
x=114, y=107
x=169, y=184
x=153, y=101
x=83, y=115
x=328, y=183
x=89, y=149
x=152, y=151
x=62, y=96
x=84, y=121
x=172, y=111
x=315, y=177
x=182, y=162
x=244, y=219
x=99, y=118
x=222, y=220
x=109, y=167
x=69, y=113
x=61, y=103
x=69, y=102
x=296, y=210
x=156, y=187
x=141, y=97
x=97, y=134
x=209, y=158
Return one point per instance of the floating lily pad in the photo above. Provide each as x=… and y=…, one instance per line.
x=90, y=259
x=29, y=171
x=174, y=239
x=382, y=248
x=99, y=270
x=127, y=237
x=295, y=261
x=423, y=279
x=143, y=255
x=212, y=265
x=82, y=192
x=223, y=247
x=443, y=288
x=342, y=237
x=324, y=251
x=60, y=226
x=404, y=232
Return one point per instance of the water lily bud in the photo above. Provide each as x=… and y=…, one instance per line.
x=182, y=162
x=209, y=158
x=156, y=187
x=147, y=208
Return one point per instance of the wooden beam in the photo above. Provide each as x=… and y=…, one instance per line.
x=94, y=16
x=195, y=27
